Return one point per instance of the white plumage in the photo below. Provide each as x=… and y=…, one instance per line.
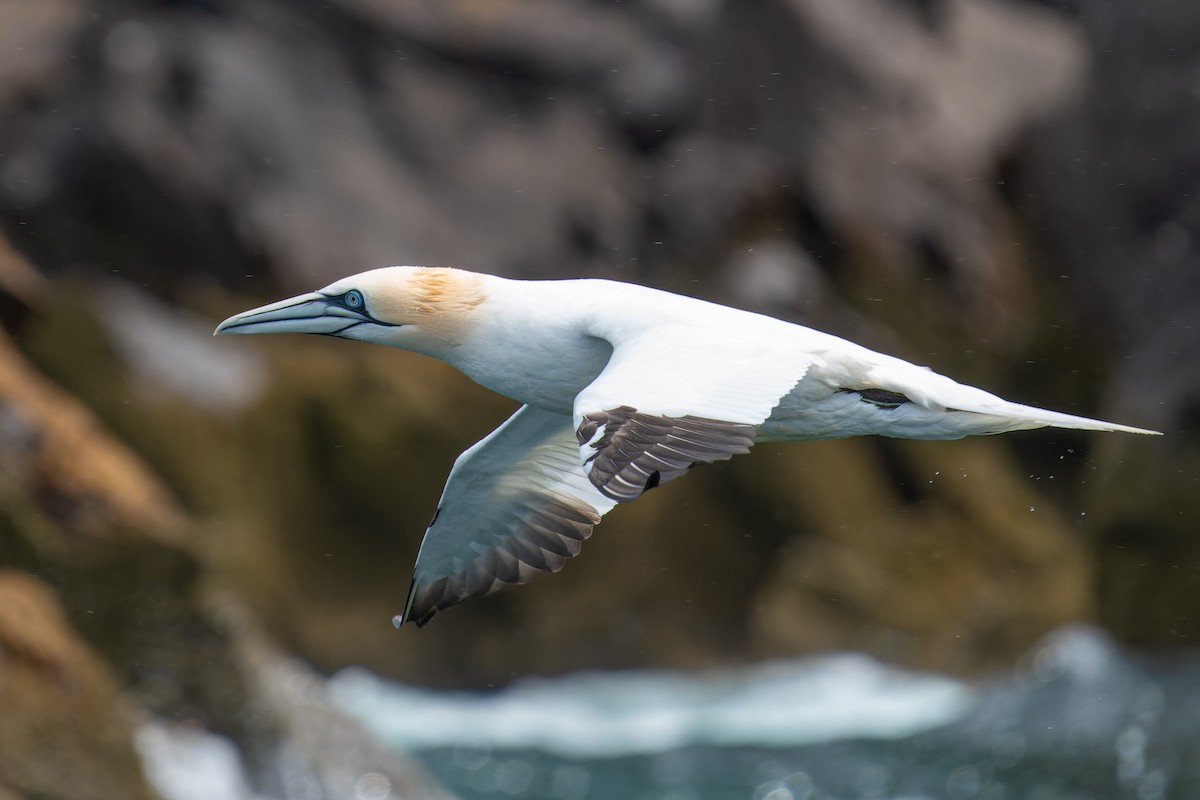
x=623, y=388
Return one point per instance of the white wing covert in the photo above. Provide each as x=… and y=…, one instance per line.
x=674, y=396
x=516, y=503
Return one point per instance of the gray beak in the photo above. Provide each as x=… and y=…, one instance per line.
x=306, y=313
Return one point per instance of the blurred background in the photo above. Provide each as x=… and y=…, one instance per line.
x=195, y=534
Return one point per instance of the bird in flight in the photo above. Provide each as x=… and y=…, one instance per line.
x=622, y=388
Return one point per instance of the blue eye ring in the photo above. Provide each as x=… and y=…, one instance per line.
x=353, y=300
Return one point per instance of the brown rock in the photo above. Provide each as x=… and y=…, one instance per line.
x=64, y=731
x=935, y=554
x=57, y=448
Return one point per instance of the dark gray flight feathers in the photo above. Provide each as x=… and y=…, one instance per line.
x=547, y=533
x=636, y=452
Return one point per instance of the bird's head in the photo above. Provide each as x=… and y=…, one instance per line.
x=411, y=307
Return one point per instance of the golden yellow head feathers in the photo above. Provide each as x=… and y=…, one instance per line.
x=431, y=297
x=443, y=289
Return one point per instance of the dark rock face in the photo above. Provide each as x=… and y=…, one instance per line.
x=1112, y=192
x=974, y=184
x=313, y=139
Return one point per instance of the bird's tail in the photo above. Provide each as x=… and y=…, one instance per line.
x=947, y=409
x=1015, y=416
x=987, y=413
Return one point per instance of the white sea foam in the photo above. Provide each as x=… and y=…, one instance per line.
x=188, y=763
x=591, y=715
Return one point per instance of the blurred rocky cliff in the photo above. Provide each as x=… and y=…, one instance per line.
x=1005, y=190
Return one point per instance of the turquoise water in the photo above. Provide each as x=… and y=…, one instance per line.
x=1079, y=720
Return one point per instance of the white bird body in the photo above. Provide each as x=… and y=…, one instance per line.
x=623, y=388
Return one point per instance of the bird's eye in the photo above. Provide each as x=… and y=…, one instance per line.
x=353, y=299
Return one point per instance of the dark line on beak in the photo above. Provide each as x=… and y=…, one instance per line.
x=368, y=321
x=338, y=333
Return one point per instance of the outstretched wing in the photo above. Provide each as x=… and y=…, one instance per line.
x=673, y=397
x=515, y=503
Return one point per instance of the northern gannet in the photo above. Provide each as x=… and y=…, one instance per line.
x=623, y=388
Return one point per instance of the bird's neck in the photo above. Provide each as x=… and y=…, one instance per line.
x=529, y=340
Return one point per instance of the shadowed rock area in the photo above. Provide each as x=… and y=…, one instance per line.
x=1004, y=190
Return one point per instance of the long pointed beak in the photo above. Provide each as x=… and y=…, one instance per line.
x=306, y=313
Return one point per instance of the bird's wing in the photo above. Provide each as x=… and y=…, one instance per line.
x=515, y=503
x=675, y=396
